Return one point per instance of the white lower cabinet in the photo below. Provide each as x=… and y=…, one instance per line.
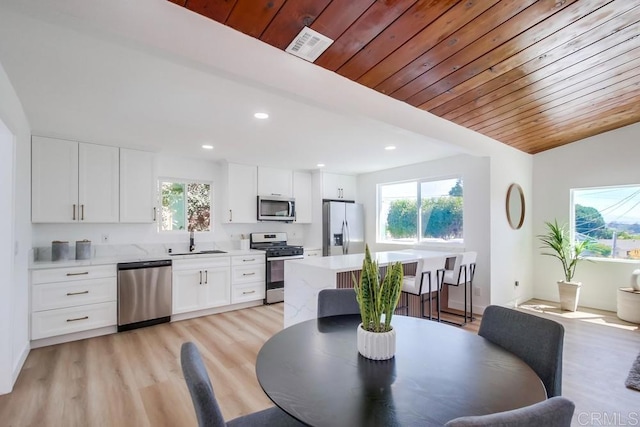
x=73, y=299
x=248, y=278
x=199, y=284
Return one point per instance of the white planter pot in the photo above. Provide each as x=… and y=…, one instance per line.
x=376, y=345
x=569, y=295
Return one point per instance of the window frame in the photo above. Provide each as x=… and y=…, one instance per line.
x=419, y=241
x=186, y=182
x=572, y=221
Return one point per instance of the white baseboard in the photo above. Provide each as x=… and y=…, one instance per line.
x=477, y=309
x=20, y=363
x=216, y=310
x=74, y=337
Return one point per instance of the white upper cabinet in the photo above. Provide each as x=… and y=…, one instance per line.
x=239, y=193
x=338, y=187
x=302, y=194
x=54, y=180
x=137, y=186
x=73, y=182
x=98, y=183
x=275, y=182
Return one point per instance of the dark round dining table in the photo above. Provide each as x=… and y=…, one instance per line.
x=313, y=371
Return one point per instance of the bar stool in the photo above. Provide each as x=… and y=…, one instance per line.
x=464, y=269
x=422, y=284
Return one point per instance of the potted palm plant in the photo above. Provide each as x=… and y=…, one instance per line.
x=376, y=298
x=558, y=242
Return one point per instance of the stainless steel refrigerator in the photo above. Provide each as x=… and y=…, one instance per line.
x=342, y=228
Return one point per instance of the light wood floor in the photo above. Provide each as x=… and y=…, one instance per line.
x=134, y=378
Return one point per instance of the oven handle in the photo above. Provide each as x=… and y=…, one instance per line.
x=279, y=258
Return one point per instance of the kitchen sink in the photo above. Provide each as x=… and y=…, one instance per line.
x=213, y=251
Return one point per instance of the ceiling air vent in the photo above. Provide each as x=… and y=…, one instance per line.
x=309, y=44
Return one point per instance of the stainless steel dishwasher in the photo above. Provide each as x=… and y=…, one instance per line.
x=144, y=294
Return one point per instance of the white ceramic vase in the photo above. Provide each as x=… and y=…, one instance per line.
x=376, y=345
x=569, y=295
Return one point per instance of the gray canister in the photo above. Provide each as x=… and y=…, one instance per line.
x=83, y=249
x=59, y=250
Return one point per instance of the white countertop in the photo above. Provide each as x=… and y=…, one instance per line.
x=36, y=265
x=354, y=261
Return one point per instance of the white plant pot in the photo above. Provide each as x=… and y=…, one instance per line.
x=569, y=295
x=376, y=345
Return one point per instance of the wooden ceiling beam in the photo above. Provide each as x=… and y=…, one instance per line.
x=507, y=124
x=422, y=53
x=367, y=27
x=416, y=18
x=504, y=41
x=554, y=95
x=602, y=38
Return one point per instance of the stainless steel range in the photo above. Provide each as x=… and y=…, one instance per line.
x=277, y=252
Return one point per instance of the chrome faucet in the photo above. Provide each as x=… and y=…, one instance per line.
x=192, y=242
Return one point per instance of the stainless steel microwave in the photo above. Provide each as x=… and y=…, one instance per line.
x=276, y=208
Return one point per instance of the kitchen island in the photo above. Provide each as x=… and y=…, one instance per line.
x=305, y=278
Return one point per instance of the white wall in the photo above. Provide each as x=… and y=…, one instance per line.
x=510, y=249
x=14, y=316
x=607, y=159
x=475, y=172
x=167, y=167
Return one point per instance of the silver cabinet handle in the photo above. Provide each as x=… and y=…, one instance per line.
x=78, y=274
x=248, y=274
x=248, y=292
x=230, y=215
x=74, y=212
x=77, y=293
x=200, y=276
x=78, y=318
x=154, y=214
x=276, y=194
x=81, y=212
x=248, y=260
x=206, y=277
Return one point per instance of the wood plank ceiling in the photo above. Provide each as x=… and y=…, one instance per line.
x=531, y=74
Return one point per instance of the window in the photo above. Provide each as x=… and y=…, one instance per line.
x=185, y=206
x=609, y=218
x=420, y=211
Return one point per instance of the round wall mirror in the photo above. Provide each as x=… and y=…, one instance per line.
x=515, y=206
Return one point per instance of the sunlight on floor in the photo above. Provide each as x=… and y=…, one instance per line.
x=605, y=318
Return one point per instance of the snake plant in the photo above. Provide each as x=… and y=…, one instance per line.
x=376, y=297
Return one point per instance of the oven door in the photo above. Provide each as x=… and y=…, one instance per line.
x=275, y=278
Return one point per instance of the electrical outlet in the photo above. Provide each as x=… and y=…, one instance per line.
x=105, y=238
x=477, y=291
x=517, y=284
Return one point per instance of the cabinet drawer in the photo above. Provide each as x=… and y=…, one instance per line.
x=76, y=319
x=248, y=259
x=200, y=263
x=248, y=292
x=249, y=273
x=67, y=274
x=48, y=296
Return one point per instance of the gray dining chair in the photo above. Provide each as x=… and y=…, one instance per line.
x=554, y=412
x=205, y=403
x=426, y=282
x=336, y=302
x=536, y=340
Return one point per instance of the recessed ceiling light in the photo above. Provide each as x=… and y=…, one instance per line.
x=207, y=147
x=390, y=147
x=320, y=165
x=261, y=116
